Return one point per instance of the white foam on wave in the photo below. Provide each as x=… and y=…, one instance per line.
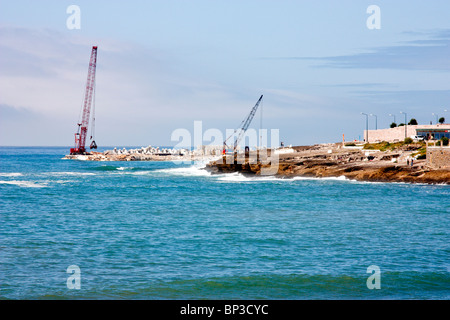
x=27, y=184
x=192, y=171
x=135, y=173
x=239, y=177
x=198, y=171
x=10, y=174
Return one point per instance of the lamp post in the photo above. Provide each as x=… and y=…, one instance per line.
x=434, y=114
x=405, y=122
x=393, y=115
x=367, y=126
x=376, y=120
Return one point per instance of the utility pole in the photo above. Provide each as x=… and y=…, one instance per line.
x=367, y=126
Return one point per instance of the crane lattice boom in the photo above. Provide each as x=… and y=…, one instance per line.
x=244, y=125
x=80, y=136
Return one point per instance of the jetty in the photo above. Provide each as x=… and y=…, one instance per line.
x=201, y=153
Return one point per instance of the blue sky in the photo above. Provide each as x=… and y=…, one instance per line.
x=164, y=64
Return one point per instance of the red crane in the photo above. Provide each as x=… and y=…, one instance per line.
x=80, y=136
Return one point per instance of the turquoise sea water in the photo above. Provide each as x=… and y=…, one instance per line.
x=161, y=230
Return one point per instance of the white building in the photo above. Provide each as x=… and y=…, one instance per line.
x=436, y=132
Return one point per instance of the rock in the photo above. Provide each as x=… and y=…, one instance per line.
x=356, y=168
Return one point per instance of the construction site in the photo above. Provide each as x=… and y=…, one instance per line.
x=400, y=162
x=87, y=123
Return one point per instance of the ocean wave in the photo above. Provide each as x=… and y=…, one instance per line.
x=103, y=168
x=340, y=178
x=27, y=184
x=70, y=173
x=62, y=181
x=198, y=170
x=133, y=170
x=193, y=171
x=239, y=177
x=394, y=285
x=121, y=169
x=10, y=174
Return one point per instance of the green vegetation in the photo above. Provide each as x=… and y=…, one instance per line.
x=393, y=125
x=441, y=120
x=351, y=144
x=382, y=146
x=386, y=146
x=421, y=153
x=444, y=141
x=420, y=148
x=408, y=140
x=421, y=156
x=401, y=124
x=412, y=122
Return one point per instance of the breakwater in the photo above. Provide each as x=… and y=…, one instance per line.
x=202, y=153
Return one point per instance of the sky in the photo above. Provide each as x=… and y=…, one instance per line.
x=164, y=64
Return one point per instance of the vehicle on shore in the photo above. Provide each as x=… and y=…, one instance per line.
x=418, y=138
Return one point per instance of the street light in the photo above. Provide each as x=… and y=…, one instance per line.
x=376, y=120
x=434, y=114
x=367, y=126
x=393, y=115
x=405, y=122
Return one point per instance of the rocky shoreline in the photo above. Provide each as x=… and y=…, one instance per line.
x=336, y=161
x=318, y=161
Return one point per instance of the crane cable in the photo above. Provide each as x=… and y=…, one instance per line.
x=93, y=114
x=260, y=123
x=93, y=145
x=80, y=119
x=244, y=124
x=239, y=128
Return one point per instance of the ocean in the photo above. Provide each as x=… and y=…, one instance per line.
x=163, y=230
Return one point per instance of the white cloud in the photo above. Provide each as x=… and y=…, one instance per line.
x=44, y=72
x=143, y=94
